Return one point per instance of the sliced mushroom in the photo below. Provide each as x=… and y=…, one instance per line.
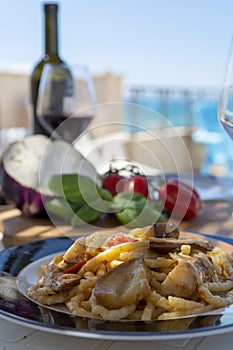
x=166, y=230
x=165, y=245
x=76, y=250
x=124, y=285
x=203, y=267
x=187, y=275
x=181, y=281
x=56, y=280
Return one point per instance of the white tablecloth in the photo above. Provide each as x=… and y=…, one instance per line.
x=15, y=337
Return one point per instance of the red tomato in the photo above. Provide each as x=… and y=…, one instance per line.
x=119, y=239
x=116, y=183
x=181, y=200
x=76, y=267
x=139, y=184
x=110, y=182
x=135, y=184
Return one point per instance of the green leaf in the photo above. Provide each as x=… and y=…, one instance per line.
x=74, y=187
x=88, y=213
x=105, y=194
x=146, y=217
x=126, y=200
x=84, y=216
x=61, y=208
x=139, y=214
x=62, y=183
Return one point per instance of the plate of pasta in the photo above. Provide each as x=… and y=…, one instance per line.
x=148, y=283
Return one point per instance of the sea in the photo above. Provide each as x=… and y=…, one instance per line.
x=200, y=112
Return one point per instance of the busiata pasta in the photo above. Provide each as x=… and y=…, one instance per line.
x=148, y=273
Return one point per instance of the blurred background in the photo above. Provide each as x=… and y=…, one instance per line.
x=168, y=56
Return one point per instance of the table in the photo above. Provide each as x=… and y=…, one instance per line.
x=214, y=218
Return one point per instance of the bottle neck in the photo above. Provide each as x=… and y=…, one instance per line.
x=51, y=31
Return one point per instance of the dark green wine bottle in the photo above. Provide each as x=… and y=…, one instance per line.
x=51, y=55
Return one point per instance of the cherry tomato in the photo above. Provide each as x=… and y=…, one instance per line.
x=139, y=184
x=110, y=182
x=181, y=200
x=134, y=184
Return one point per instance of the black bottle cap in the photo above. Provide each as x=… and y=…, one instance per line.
x=50, y=6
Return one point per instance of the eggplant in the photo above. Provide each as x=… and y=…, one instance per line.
x=27, y=165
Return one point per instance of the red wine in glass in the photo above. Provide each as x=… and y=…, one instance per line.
x=65, y=105
x=67, y=128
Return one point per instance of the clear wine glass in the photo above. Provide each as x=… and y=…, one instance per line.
x=66, y=101
x=225, y=105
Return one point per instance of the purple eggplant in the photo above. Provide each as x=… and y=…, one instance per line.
x=27, y=165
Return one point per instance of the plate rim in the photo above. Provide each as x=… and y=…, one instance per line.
x=105, y=335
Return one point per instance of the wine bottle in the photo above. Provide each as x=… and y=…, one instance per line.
x=51, y=55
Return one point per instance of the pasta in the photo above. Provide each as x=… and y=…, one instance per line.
x=137, y=276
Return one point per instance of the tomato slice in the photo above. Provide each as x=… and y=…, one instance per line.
x=76, y=267
x=119, y=239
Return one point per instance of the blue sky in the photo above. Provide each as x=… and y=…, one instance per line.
x=156, y=42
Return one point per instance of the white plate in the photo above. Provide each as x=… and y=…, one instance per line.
x=25, y=261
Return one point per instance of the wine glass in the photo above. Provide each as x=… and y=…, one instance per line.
x=225, y=105
x=66, y=101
